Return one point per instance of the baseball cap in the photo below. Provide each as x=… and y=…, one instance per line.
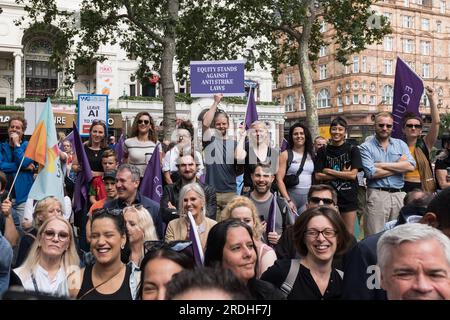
x=110, y=175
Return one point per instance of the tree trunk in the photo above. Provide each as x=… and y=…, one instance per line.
x=168, y=56
x=312, y=119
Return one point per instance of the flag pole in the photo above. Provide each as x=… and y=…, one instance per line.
x=246, y=108
x=14, y=181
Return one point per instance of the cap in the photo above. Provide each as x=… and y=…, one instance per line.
x=110, y=175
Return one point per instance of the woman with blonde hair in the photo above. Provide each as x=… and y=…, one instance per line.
x=243, y=208
x=192, y=198
x=51, y=260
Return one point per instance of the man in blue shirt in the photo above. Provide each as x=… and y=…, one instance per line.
x=385, y=160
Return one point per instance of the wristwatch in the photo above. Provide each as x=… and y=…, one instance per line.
x=289, y=200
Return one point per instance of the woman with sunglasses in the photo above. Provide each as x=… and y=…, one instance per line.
x=139, y=148
x=51, y=260
x=108, y=278
x=319, y=234
x=243, y=208
x=420, y=147
x=191, y=199
x=160, y=263
x=231, y=246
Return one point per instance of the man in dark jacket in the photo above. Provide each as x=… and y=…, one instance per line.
x=169, y=202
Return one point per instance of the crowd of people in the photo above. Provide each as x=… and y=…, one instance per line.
x=292, y=232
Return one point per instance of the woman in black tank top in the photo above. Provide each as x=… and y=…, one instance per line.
x=108, y=278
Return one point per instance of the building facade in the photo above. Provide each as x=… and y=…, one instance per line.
x=365, y=86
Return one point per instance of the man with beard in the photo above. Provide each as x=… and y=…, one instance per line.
x=187, y=167
x=261, y=196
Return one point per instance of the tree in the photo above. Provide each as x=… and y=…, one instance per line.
x=287, y=32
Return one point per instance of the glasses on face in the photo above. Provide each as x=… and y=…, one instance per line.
x=112, y=212
x=50, y=234
x=382, y=125
x=317, y=200
x=146, y=122
x=177, y=246
x=410, y=126
x=327, y=233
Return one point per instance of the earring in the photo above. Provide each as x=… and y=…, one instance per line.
x=122, y=246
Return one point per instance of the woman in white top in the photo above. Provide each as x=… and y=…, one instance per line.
x=183, y=137
x=52, y=258
x=139, y=148
x=243, y=208
x=300, y=142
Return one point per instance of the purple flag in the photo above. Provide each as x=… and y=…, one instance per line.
x=84, y=177
x=119, y=149
x=251, y=114
x=284, y=145
x=196, y=243
x=271, y=217
x=151, y=184
x=408, y=90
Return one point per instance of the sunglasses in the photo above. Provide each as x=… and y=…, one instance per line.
x=176, y=246
x=382, y=125
x=409, y=125
x=112, y=212
x=317, y=200
x=50, y=234
x=98, y=121
x=146, y=122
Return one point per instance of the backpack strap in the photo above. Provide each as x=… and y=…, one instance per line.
x=290, y=158
x=288, y=283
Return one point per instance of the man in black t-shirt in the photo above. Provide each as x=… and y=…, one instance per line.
x=338, y=164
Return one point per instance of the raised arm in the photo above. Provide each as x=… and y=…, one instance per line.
x=432, y=135
x=209, y=115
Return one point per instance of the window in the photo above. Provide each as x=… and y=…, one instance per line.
x=323, y=51
x=407, y=22
x=323, y=26
x=355, y=85
x=355, y=64
x=363, y=64
x=411, y=64
x=339, y=88
x=426, y=24
x=425, y=100
x=289, y=103
x=347, y=100
x=388, y=43
x=364, y=99
x=408, y=45
x=387, y=94
x=406, y=3
x=302, y=103
x=426, y=70
x=388, y=16
x=442, y=7
x=322, y=71
x=289, y=80
x=419, y=2
x=438, y=26
x=372, y=100
x=364, y=85
x=355, y=99
x=339, y=101
x=132, y=90
x=425, y=47
x=323, y=99
x=388, y=67
x=347, y=86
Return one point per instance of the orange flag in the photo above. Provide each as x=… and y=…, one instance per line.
x=37, y=146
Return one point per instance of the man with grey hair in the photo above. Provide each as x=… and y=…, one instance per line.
x=414, y=261
x=128, y=178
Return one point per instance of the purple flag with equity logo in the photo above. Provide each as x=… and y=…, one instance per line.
x=271, y=218
x=196, y=244
x=119, y=149
x=151, y=184
x=251, y=114
x=408, y=90
x=80, y=194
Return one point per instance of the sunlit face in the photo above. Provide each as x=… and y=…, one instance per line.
x=16, y=126
x=258, y=133
x=193, y=203
x=67, y=147
x=298, y=135
x=110, y=188
x=412, y=128
x=337, y=134
x=135, y=233
x=97, y=134
x=144, y=124
x=325, y=197
x=126, y=187
x=383, y=127
x=53, y=209
x=320, y=247
x=187, y=168
x=239, y=254
x=55, y=239
x=262, y=180
x=158, y=272
x=417, y=271
x=221, y=124
x=245, y=215
x=106, y=241
x=109, y=164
